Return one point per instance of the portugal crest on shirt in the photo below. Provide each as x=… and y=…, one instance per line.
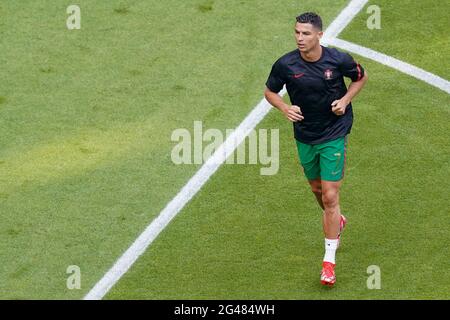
x=328, y=74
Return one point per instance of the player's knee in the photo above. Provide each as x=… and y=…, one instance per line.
x=330, y=198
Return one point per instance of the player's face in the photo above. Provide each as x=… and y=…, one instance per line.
x=307, y=36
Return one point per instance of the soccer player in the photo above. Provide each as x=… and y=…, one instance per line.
x=321, y=112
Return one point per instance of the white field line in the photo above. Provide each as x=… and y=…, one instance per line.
x=394, y=63
x=343, y=19
x=138, y=247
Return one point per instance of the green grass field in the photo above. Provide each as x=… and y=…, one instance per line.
x=85, y=153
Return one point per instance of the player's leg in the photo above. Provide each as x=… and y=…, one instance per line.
x=332, y=158
x=332, y=212
x=332, y=162
x=316, y=188
x=331, y=222
x=310, y=161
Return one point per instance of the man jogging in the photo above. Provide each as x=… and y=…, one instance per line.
x=321, y=112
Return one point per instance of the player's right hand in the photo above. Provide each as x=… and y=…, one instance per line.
x=294, y=114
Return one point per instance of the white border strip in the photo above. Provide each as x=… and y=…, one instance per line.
x=394, y=63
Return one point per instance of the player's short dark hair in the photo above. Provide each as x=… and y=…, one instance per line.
x=312, y=18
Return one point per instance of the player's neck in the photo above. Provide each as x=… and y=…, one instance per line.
x=313, y=55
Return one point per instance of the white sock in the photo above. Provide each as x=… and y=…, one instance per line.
x=330, y=250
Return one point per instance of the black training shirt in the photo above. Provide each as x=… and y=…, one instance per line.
x=313, y=86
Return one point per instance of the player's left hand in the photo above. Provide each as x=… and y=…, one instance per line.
x=339, y=106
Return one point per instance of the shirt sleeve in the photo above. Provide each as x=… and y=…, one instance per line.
x=350, y=68
x=275, y=81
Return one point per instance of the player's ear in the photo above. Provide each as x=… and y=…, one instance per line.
x=320, y=34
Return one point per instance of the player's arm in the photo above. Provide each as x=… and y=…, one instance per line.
x=353, y=70
x=339, y=106
x=293, y=113
x=274, y=84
